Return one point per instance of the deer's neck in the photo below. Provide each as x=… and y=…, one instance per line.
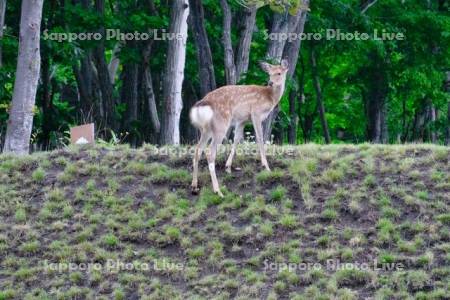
x=277, y=92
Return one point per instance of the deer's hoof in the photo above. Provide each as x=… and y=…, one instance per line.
x=195, y=190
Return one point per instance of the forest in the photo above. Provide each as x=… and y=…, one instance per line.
x=340, y=190
x=359, y=71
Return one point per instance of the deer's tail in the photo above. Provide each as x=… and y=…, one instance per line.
x=201, y=116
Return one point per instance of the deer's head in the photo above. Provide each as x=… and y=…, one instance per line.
x=277, y=73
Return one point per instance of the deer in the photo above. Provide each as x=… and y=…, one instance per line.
x=235, y=106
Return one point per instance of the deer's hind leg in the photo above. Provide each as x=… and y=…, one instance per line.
x=216, y=141
x=204, y=138
x=238, y=135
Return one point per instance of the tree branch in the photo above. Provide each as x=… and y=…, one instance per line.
x=366, y=5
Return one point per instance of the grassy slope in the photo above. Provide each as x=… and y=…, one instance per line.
x=348, y=203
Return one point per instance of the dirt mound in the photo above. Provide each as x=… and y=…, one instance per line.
x=344, y=221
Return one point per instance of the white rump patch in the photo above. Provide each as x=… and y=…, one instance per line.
x=201, y=115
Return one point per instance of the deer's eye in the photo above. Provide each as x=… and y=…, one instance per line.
x=279, y=74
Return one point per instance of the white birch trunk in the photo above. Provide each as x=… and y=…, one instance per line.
x=174, y=76
x=20, y=121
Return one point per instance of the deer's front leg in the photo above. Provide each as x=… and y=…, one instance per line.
x=257, y=125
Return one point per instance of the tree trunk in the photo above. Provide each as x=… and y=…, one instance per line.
x=47, y=107
x=104, y=81
x=20, y=121
x=421, y=118
x=189, y=133
x=84, y=77
x=292, y=48
x=284, y=23
x=292, y=132
x=374, y=120
x=433, y=135
x=2, y=24
x=48, y=87
x=173, y=81
x=114, y=63
x=279, y=26
x=230, y=67
x=376, y=109
x=204, y=56
x=90, y=104
x=376, y=106
x=151, y=7
x=291, y=53
x=301, y=99
x=147, y=88
x=383, y=123
x=149, y=92
x=150, y=95
x=320, y=105
x=243, y=48
x=129, y=96
x=404, y=135
x=108, y=103
x=447, y=129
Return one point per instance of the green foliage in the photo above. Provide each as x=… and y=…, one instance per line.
x=278, y=193
x=269, y=176
x=20, y=215
x=410, y=71
x=38, y=175
x=110, y=240
x=349, y=277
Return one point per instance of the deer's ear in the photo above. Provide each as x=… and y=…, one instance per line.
x=284, y=64
x=265, y=66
